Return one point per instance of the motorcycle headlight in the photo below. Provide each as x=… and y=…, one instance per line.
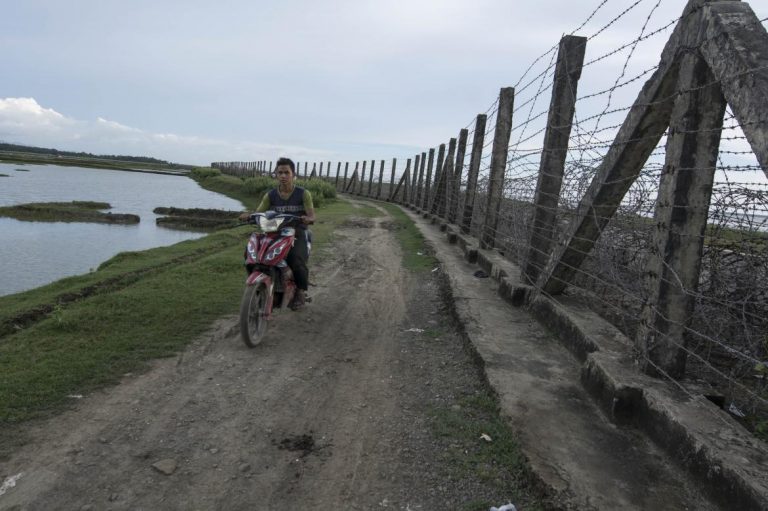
x=270, y=224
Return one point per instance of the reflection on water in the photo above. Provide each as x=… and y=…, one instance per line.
x=36, y=253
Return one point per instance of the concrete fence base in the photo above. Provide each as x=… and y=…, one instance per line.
x=730, y=464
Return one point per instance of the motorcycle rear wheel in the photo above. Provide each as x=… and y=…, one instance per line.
x=253, y=321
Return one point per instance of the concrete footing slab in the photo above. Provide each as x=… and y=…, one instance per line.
x=598, y=432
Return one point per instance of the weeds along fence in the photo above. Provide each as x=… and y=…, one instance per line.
x=653, y=210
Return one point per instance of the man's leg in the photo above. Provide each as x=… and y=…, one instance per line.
x=297, y=260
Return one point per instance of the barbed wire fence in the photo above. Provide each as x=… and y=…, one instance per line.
x=672, y=248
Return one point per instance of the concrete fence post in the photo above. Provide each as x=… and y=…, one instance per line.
x=370, y=178
x=350, y=186
x=381, y=180
x=406, y=180
x=442, y=188
x=453, y=203
x=392, y=180
x=425, y=190
x=416, y=161
x=438, y=169
x=402, y=183
x=680, y=218
x=735, y=45
x=338, y=171
x=362, y=178
x=344, y=183
x=474, y=170
x=562, y=107
x=420, y=182
x=498, y=167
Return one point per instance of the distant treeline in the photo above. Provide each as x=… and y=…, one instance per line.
x=55, y=152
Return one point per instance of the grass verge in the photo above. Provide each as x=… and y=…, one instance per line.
x=20, y=310
x=93, y=341
x=417, y=255
x=499, y=462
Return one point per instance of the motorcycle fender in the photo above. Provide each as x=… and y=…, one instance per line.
x=257, y=277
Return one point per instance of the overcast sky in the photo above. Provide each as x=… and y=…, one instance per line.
x=197, y=81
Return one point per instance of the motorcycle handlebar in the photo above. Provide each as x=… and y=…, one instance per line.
x=252, y=218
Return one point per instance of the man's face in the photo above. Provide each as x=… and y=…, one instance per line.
x=284, y=174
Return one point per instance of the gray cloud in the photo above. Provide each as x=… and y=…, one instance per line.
x=349, y=79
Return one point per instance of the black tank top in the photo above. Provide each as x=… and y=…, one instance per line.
x=293, y=205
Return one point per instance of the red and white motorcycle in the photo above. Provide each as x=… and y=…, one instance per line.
x=270, y=282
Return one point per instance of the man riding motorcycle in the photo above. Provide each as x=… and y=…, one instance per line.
x=295, y=200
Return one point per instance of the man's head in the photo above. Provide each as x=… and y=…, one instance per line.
x=286, y=162
x=285, y=171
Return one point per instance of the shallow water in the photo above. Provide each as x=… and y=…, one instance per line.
x=36, y=253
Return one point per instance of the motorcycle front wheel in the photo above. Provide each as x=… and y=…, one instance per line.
x=253, y=321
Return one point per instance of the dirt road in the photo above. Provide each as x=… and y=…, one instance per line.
x=336, y=410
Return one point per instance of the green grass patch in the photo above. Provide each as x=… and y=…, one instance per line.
x=75, y=211
x=500, y=462
x=94, y=341
x=365, y=211
x=416, y=254
x=19, y=310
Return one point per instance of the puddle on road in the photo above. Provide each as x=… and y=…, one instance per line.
x=305, y=444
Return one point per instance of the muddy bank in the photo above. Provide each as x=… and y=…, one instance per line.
x=75, y=211
x=196, y=219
